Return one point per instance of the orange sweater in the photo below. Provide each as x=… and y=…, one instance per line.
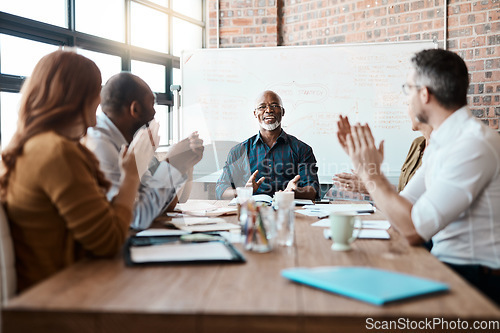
x=57, y=212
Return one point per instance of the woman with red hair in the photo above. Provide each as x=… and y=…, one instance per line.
x=51, y=185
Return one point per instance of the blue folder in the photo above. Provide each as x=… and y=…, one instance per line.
x=367, y=284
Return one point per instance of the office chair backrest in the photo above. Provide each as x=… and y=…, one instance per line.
x=7, y=263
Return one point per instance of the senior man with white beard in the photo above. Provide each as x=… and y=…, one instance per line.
x=271, y=160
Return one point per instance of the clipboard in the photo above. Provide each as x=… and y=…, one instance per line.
x=180, y=249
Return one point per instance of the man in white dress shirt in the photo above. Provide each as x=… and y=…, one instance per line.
x=127, y=103
x=454, y=198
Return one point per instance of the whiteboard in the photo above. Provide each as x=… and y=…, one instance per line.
x=315, y=83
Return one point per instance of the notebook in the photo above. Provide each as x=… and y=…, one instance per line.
x=367, y=284
x=189, y=248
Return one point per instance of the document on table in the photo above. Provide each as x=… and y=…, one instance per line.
x=321, y=211
x=366, y=224
x=189, y=248
x=180, y=252
x=161, y=232
x=205, y=209
x=201, y=224
x=363, y=234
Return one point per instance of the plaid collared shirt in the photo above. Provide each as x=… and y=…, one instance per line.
x=287, y=158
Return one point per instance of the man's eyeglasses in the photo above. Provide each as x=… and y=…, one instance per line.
x=272, y=107
x=407, y=87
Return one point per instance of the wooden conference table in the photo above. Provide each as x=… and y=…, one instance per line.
x=106, y=296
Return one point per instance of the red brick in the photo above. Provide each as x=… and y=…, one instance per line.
x=409, y=17
x=491, y=112
x=478, y=5
x=229, y=31
x=481, y=76
x=242, y=21
x=355, y=37
x=460, y=9
x=453, y=21
x=272, y=29
x=473, y=18
x=438, y=24
x=250, y=31
x=477, y=65
x=482, y=29
x=493, y=123
x=493, y=15
x=421, y=27
x=472, y=42
x=460, y=32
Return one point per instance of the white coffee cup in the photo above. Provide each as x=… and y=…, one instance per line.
x=342, y=229
x=243, y=194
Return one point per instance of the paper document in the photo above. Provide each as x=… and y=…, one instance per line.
x=360, y=208
x=205, y=209
x=180, y=252
x=303, y=202
x=267, y=199
x=209, y=227
x=161, y=232
x=321, y=211
x=364, y=234
x=316, y=213
x=192, y=220
x=376, y=224
x=366, y=224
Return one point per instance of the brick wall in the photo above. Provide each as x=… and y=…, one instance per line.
x=473, y=31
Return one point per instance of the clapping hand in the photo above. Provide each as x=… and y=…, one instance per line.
x=186, y=153
x=349, y=182
x=344, y=128
x=364, y=154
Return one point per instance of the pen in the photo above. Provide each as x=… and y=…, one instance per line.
x=150, y=135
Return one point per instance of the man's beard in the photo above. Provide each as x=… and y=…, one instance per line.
x=270, y=127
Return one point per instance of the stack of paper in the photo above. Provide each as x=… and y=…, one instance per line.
x=363, y=233
x=371, y=229
x=365, y=224
x=325, y=210
x=205, y=209
x=202, y=224
x=161, y=232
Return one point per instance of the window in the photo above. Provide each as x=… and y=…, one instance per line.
x=93, y=17
x=149, y=28
x=191, y=8
x=109, y=65
x=16, y=62
x=153, y=74
x=186, y=36
x=145, y=37
x=9, y=104
x=47, y=11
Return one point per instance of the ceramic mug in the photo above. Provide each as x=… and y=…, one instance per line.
x=342, y=229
